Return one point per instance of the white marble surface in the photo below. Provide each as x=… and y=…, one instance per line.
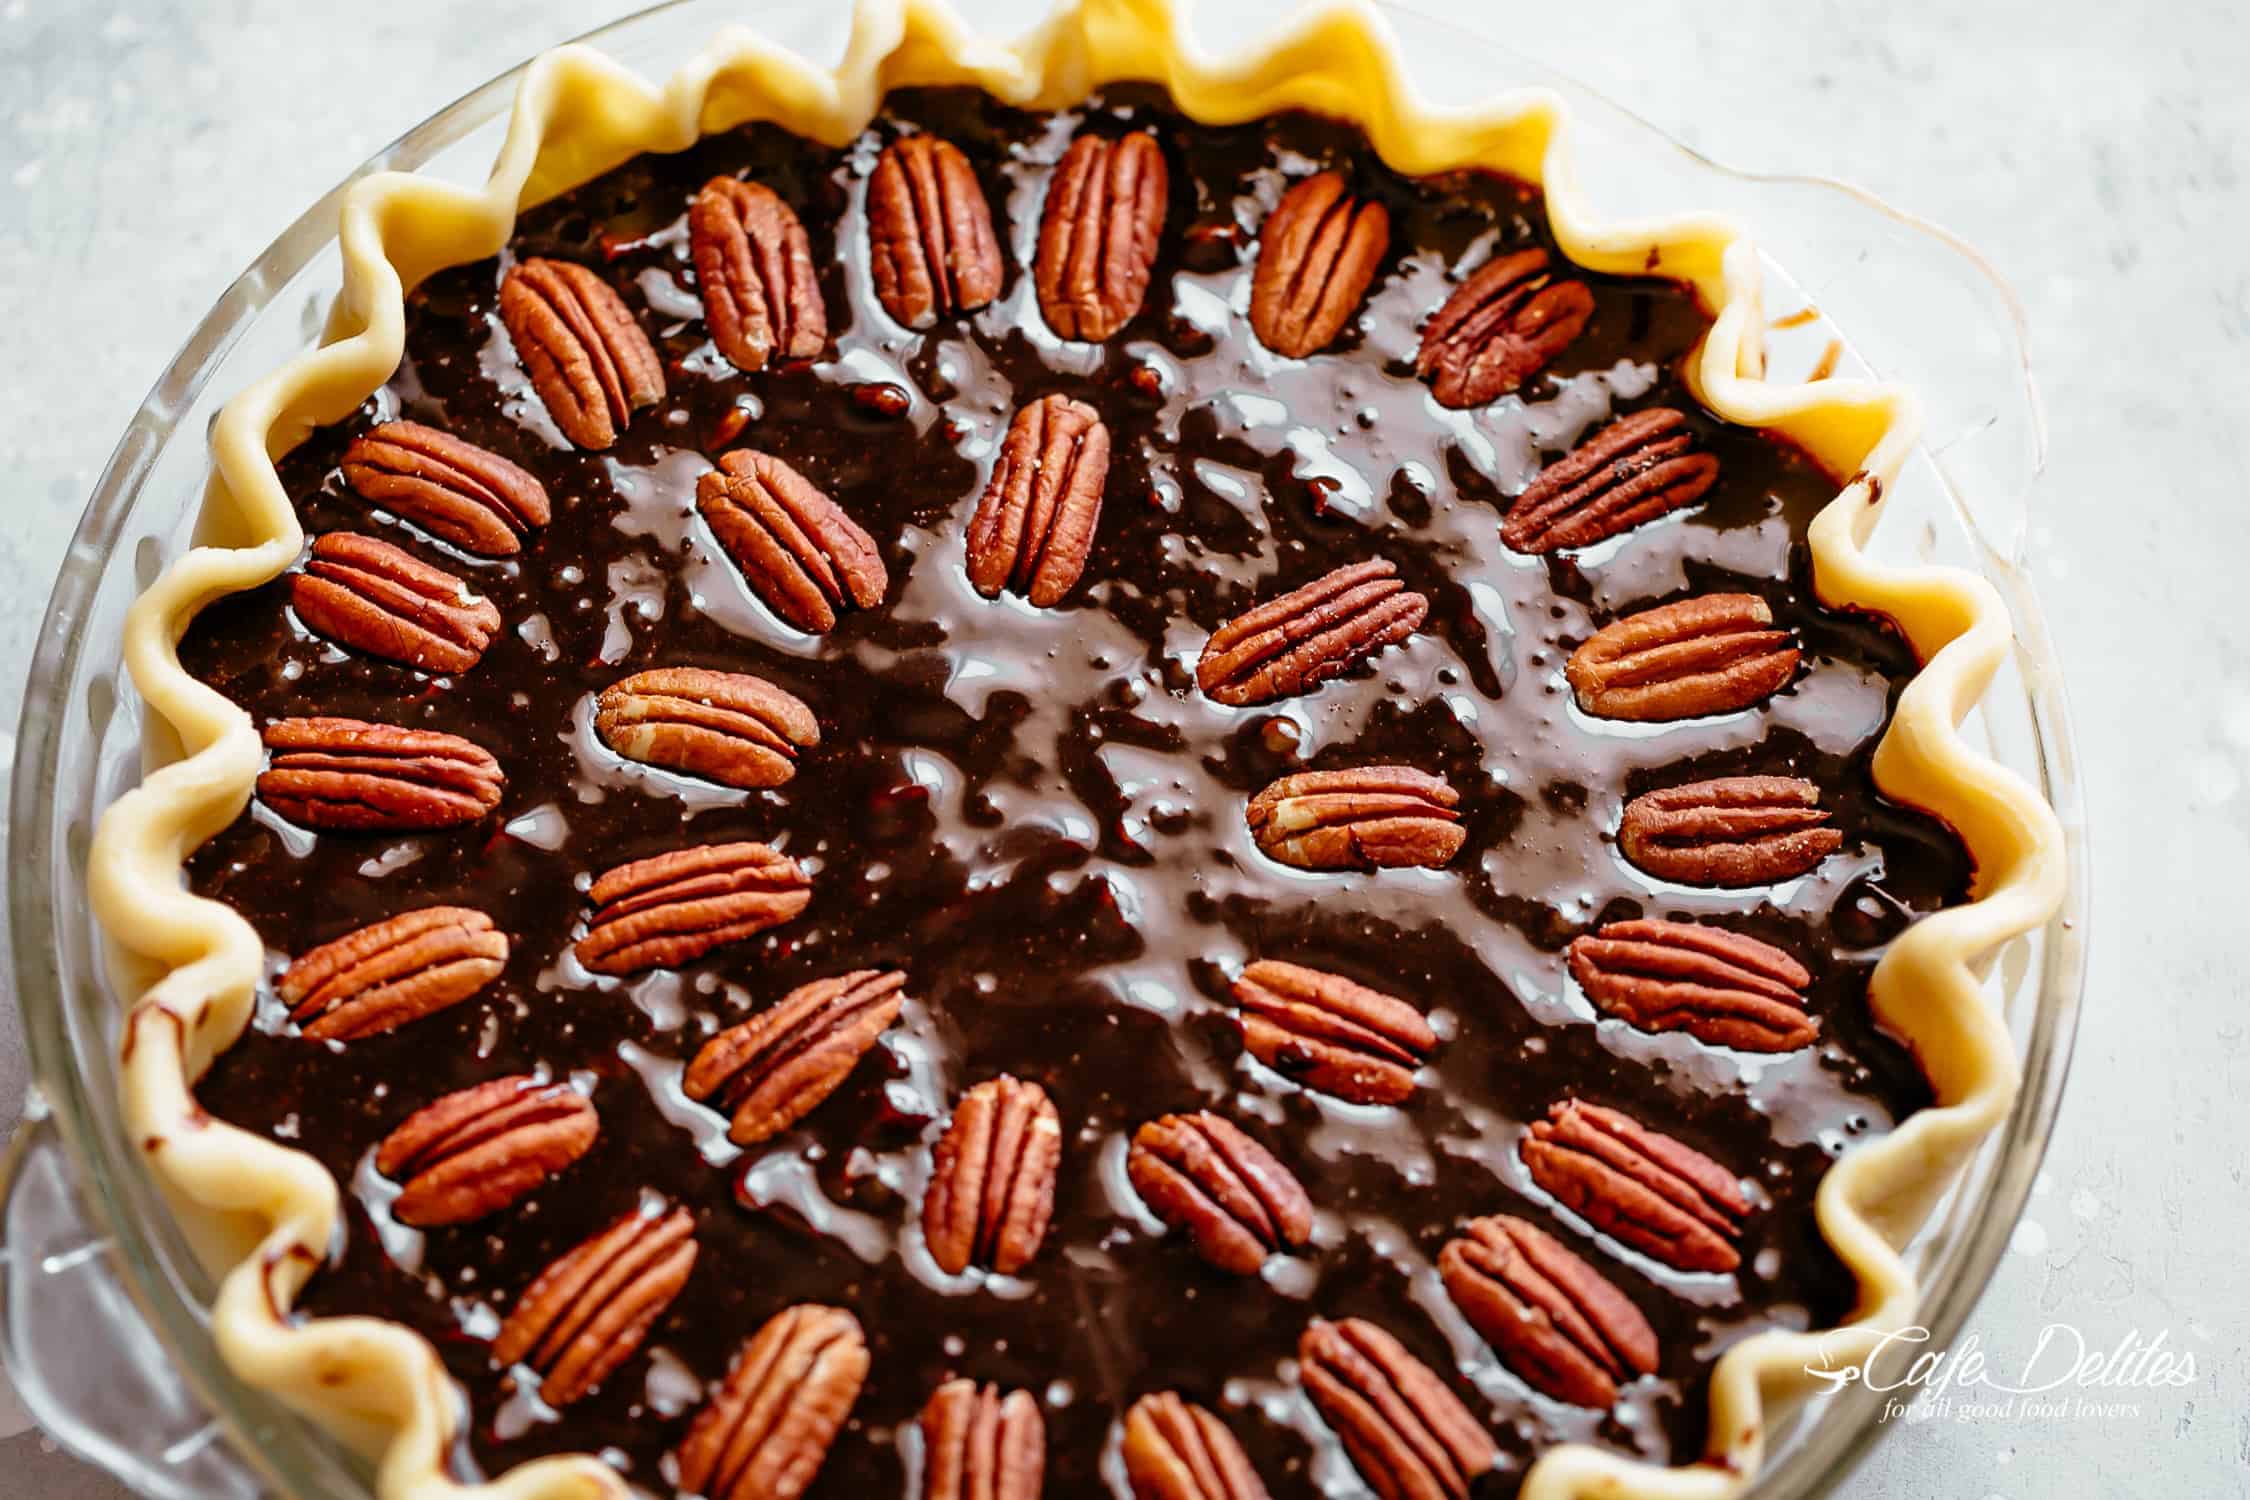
x=150, y=148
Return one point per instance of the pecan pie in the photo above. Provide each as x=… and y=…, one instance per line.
x=945, y=810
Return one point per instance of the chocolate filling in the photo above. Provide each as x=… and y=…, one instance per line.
x=1036, y=815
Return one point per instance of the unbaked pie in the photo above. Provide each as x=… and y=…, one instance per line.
x=1053, y=798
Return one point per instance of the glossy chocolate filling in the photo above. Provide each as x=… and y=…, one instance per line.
x=1037, y=817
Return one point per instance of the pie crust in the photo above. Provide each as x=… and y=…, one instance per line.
x=264, y=1214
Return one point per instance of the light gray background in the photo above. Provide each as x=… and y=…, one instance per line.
x=2096, y=151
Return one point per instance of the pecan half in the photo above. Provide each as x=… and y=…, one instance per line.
x=671, y=909
x=1034, y=524
x=1550, y=1317
x=766, y=1431
x=453, y=490
x=773, y=1069
x=929, y=231
x=992, y=1178
x=754, y=267
x=474, y=1152
x=1329, y=1033
x=1732, y=831
x=797, y=549
x=1316, y=255
x=587, y=357
x=980, y=1445
x=1294, y=643
x=1199, y=1173
x=1175, y=1450
x=1500, y=328
x=1365, y=818
x=1097, y=240
x=1634, y=470
x=1403, y=1428
x=376, y=598
x=1651, y=1192
x=727, y=727
x=384, y=975
x=1708, y=655
x=348, y=775
x=1722, y=987
x=586, y=1314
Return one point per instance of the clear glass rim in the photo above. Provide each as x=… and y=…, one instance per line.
x=1809, y=1463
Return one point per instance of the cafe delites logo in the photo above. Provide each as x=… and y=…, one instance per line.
x=2064, y=1376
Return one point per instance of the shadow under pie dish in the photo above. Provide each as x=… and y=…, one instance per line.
x=1154, y=751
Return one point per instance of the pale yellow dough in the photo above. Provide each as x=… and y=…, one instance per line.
x=263, y=1213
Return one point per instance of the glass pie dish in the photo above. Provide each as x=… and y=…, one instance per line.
x=1895, y=301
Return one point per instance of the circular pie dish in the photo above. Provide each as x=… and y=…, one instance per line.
x=1947, y=331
